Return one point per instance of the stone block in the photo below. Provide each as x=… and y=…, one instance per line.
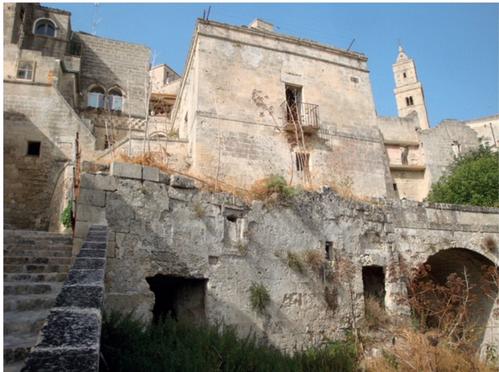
x=126, y=170
x=85, y=277
x=164, y=178
x=92, y=197
x=98, y=181
x=150, y=174
x=100, y=245
x=81, y=229
x=69, y=329
x=178, y=194
x=90, y=213
x=77, y=360
x=181, y=182
x=89, y=263
x=88, y=253
x=83, y=296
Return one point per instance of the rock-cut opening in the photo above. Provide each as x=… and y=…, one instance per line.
x=178, y=297
x=373, y=278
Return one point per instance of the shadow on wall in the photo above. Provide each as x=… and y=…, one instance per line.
x=32, y=167
x=162, y=267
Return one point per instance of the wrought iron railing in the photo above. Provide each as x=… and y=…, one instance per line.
x=303, y=114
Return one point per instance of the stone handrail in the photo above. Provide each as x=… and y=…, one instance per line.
x=70, y=338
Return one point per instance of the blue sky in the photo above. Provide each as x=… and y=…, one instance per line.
x=455, y=46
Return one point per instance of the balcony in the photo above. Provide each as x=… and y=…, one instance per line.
x=300, y=116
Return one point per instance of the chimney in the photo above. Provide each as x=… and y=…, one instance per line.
x=258, y=24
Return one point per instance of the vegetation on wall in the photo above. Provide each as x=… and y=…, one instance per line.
x=472, y=179
x=130, y=345
x=259, y=297
x=67, y=216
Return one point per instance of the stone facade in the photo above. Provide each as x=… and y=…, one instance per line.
x=242, y=126
x=160, y=225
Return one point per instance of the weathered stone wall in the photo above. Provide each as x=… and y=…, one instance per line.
x=162, y=225
x=111, y=63
x=444, y=143
x=37, y=113
x=230, y=111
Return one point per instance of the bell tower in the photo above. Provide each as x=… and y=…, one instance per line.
x=408, y=90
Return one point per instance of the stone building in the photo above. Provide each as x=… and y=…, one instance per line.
x=59, y=84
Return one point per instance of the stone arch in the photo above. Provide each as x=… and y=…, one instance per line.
x=485, y=311
x=45, y=27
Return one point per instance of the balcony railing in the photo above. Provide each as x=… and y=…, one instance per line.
x=304, y=115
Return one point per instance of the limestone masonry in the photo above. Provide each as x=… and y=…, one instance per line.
x=79, y=109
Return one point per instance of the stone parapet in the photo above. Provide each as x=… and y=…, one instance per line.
x=70, y=339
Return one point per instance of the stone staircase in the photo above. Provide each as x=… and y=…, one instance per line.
x=35, y=266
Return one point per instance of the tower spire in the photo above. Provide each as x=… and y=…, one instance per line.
x=408, y=91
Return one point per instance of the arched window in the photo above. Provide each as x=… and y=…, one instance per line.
x=95, y=97
x=115, y=98
x=44, y=27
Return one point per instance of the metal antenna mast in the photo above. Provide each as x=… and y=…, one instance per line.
x=95, y=19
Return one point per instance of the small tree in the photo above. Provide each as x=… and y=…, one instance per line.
x=472, y=179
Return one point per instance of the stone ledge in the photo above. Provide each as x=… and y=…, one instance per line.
x=70, y=340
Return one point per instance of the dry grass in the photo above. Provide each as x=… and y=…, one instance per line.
x=295, y=262
x=150, y=159
x=375, y=316
x=489, y=244
x=315, y=259
x=416, y=351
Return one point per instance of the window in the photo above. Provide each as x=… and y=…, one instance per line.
x=33, y=148
x=409, y=101
x=354, y=79
x=404, y=75
x=329, y=251
x=293, y=103
x=95, y=97
x=115, y=100
x=394, y=187
x=302, y=159
x=45, y=27
x=25, y=70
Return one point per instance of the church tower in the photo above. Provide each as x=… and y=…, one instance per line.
x=408, y=90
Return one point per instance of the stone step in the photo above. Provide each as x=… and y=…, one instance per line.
x=29, y=302
x=25, y=260
x=18, y=251
x=35, y=278
x=24, y=322
x=13, y=367
x=22, y=288
x=32, y=268
x=16, y=347
x=34, y=240
x=36, y=246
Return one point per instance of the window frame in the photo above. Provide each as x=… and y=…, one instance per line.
x=33, y=66
x=101, y=102
x=46, y=20
x=111, y=100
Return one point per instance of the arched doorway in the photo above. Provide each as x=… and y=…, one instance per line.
x=451, y=278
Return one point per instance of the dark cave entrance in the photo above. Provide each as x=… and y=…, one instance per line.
x=373, y=278
x=178, y=297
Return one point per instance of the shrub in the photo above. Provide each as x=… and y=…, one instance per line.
x=472, y=179
x=130, y=345
x=67, y=216
x=259, y=297
x=272, y=187
x=295, y=262
x=375, y=315
x=315, y=259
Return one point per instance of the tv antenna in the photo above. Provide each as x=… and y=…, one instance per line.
x=353, y=41
x=206, y=14
x=95, y=19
